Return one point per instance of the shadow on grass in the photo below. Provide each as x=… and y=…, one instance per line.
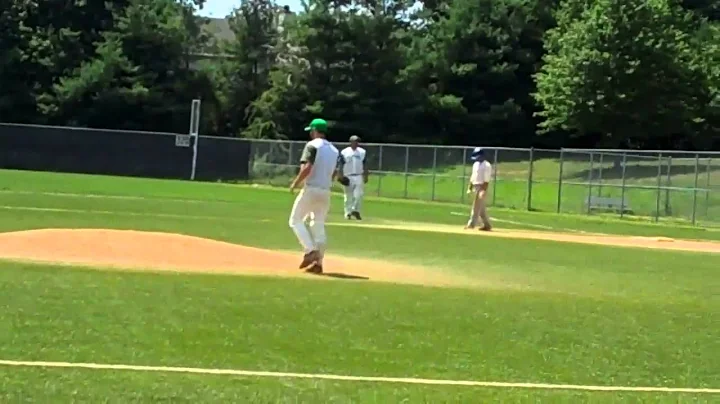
x=343, y=276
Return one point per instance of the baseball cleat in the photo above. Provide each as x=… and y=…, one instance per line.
x=348, y=216
x=357, y=215
x=315, y=269
x=309, y=260
x=486, y=228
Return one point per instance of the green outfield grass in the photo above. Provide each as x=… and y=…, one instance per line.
x=556, y=313
x=47, y=386
x=675, y=201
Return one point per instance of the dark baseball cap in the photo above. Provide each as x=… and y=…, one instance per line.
x=477, y=153
x=317, y=124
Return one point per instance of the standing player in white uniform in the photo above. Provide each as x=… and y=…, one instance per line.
x=317, y=171
x=351, y=164
x=479, y=182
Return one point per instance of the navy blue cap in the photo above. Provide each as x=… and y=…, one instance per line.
x=477, y=153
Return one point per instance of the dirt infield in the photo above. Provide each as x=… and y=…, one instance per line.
x=135, y=250
x=660, y=243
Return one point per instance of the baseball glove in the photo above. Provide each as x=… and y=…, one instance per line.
x=345, y=181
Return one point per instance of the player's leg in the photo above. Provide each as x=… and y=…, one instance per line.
x=348, y=200
x=474, y=211
x=300, y=210
x=358, y=193
x=320, y=211
x=482, y=206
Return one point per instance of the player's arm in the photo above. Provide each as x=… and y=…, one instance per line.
x=306, y=163
x=338, y=167
x=483, y=189
x=473, y=176
x=366, y=173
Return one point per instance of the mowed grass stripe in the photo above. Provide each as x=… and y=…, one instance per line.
x=259, y=220
x=375, y=379
x=223, y=197
x=46, y=385
x=84, y=316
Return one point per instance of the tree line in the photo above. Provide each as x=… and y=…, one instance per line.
x=544, y=73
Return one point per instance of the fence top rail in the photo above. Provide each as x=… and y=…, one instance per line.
x=589, y=152
x=75, y=128
x=402, y=145
x=618, y=152
x=623, y=151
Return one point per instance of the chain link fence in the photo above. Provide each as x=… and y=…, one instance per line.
x=662, y=185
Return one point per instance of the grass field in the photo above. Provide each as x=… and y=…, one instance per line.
x=557, y=313
x=582, y=174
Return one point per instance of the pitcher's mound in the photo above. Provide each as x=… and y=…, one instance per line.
x=163, y=251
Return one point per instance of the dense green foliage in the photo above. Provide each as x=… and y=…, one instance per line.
x=613, y=73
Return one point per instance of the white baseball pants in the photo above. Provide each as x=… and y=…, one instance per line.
x=313, y=205
x=479, y=209
x=354, y=194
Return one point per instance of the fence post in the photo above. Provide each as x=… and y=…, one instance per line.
x=590, y=180
x=707, y=187
x=194, y=133
x=432, y=197
x=659, y=191
x=290, y=155
x=251, y=160
x=268, y=159
x=622, y=191
x=667, y=185
x=381, y=174
x=600, y=175
x=697, y=176
x=407, y=169
x=463, y=186
x=530, y=180
x=560, y=180
x=494, y=174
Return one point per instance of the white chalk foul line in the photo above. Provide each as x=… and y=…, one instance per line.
x=402, y=380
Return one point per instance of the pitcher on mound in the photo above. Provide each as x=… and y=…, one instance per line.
x=317, y=168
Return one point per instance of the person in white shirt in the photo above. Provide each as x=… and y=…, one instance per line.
x=479, y=182
x=317, y=171
x=351, y=164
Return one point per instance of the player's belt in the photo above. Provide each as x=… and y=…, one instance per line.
x=353, y=175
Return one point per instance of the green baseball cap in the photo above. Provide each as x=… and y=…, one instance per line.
x=317, y=124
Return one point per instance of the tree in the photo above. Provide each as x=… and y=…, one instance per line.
x=245, y=76
x=341, y=61
x=709, y=9
x=624, y=74
x=138, y=77
x=470, y=61
x=17, y=100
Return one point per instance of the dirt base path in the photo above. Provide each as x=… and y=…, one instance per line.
x=136, y=250
x=660, y=243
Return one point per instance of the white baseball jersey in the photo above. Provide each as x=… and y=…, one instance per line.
x=353, y=161
x=323, y=156
x=481, y=172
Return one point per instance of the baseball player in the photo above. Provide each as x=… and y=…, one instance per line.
x=479, y=181
x=351, y=165
x=317, y=172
